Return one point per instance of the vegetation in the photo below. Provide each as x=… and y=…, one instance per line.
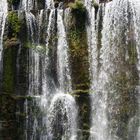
x=8, y=74
x=77, y=5
x=14, y=24
x=95, y=4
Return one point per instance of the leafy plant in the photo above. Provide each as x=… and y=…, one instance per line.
x=14, y=23
x=95, y=4
x=77, y=5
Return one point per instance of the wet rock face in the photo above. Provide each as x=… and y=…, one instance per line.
x=104, y=1
x=15, y=80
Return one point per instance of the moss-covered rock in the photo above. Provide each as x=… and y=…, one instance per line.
x=14, y=24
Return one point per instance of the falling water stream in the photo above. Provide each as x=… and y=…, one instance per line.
x=98, y=120
x=114, y=87
x=63, y=111
x=63, y=58
x=3, y=15
x=59, y=108
x=27, y=4
x=34, y=74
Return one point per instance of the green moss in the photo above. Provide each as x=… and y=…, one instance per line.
x=79, y=57
x=77, y=5
x=8, y=76
x=14, y=24
x=95, y=4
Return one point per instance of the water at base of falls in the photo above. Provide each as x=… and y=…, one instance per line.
x=62, y=117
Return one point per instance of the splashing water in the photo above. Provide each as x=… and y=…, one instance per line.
x=62, y=117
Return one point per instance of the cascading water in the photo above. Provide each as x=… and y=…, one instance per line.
x=63, y=111
x=91, y=33
x=3, y=15
x=49, y=4
x=34, y=74
x=50, y=109
x=115, y=84
x=27, y=4
x=64, y=78
x=135, y=121
x=48, y=83
x=33, y=55
x=53, y=96
x=98, y=120
x=3, y=6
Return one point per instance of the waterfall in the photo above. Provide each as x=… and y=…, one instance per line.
x=62, y=56
x=27, y=4
x=30, y=4
x=136, y=23
x=92, y=43
x=34, y=75
x=98, y=118
x=48, y=108
x=49, y=4
x=48, y=85
x=118, y=39
x=33, y=55
x=3, y=15
x=3, y=6
x=63, y=111
x=114, y=84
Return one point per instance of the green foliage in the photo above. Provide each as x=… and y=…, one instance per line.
x=77, y=5
x=95, y=4
x=14, y=23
